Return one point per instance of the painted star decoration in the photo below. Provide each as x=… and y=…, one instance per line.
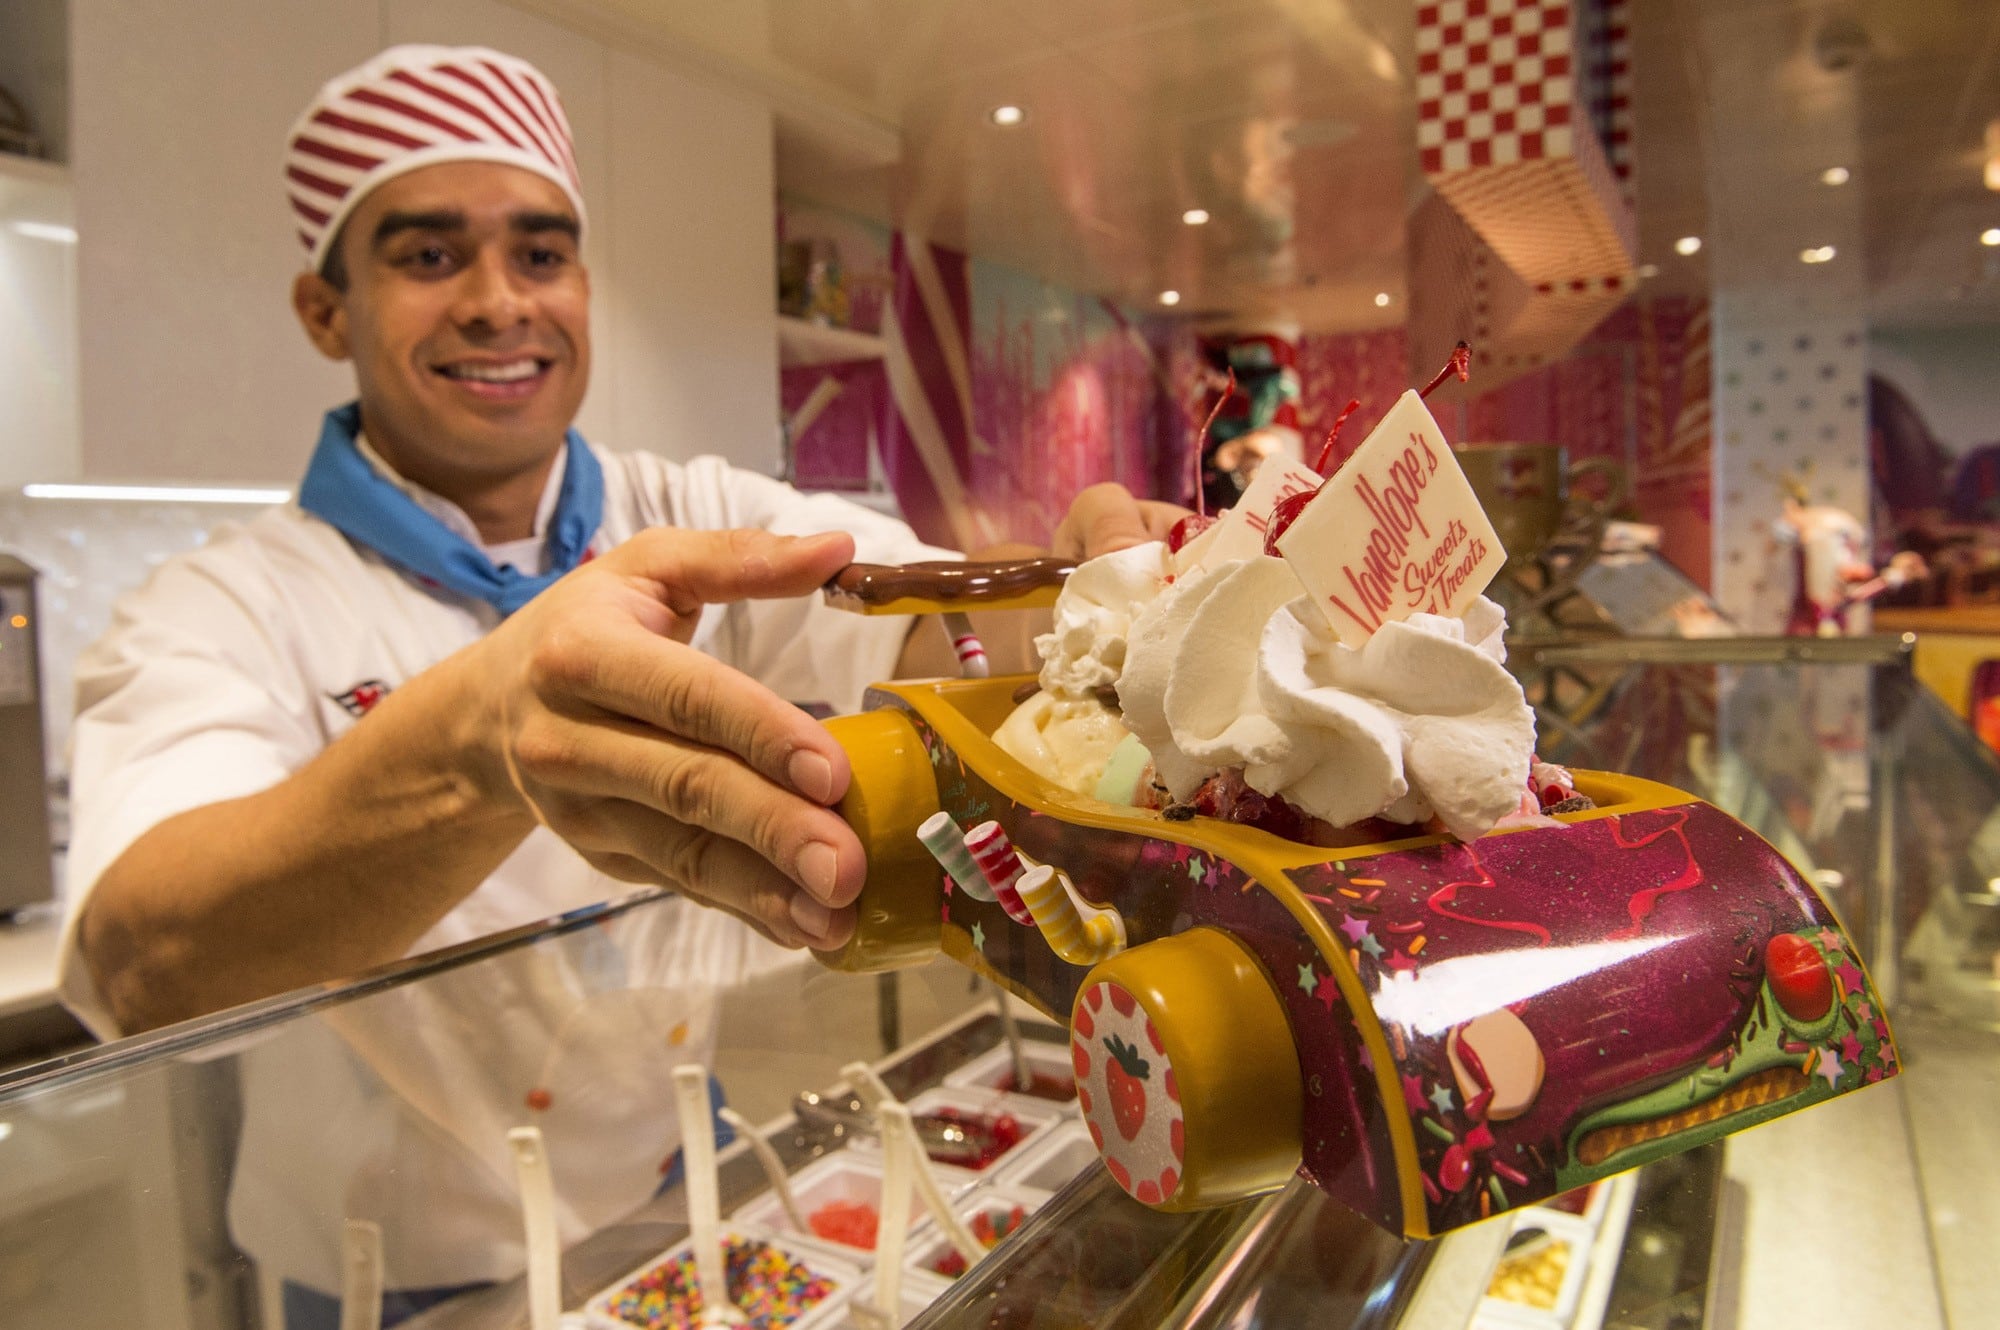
x=1356, y=929
x=1371, y=946
x=1829, y=1067
x=1194, y=868
x=1413, y=1094
x=1306, y=983
x=1326, y=991
x=1443, y=1100
x=978, y=936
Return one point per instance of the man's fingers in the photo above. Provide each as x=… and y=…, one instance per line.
x=637, y=844
x=676, y=689
x=695, y=568
x=564, y=766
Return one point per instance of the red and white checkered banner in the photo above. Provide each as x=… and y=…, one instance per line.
x=1507, y=95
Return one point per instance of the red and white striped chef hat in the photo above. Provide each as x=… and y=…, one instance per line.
x=417, y=106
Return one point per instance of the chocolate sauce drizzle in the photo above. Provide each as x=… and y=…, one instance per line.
x=966, y=583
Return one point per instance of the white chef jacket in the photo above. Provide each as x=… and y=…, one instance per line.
x=235, y=665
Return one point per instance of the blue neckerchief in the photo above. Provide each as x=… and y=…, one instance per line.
x=342, y=489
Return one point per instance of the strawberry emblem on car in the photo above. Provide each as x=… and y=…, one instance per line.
x=1125, y=1080
x=1128, y=1093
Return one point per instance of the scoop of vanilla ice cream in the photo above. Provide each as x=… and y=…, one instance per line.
x=1086, y=650
x=1068, y=740
x=1232, y=667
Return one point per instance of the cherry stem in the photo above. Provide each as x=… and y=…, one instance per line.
x=1201, y=447
x=1459, y=365
x=1326, y=450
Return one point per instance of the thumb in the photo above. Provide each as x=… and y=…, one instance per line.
x=695, y=568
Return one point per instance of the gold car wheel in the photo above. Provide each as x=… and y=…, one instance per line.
x=1186, y=1072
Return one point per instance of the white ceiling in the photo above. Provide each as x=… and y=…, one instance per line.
x=1292, y=123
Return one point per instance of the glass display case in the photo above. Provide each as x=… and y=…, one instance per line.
x=148, y=1184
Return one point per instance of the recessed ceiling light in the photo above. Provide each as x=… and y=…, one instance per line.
x=1687, y=245
x=1835, y=175
x=1381, y=299
x=1821, y=254
x=61, y=235
x=1006, y=116
x=1195, y=217
x=1990, y=236
x=1170, y=297
x=1647, y=271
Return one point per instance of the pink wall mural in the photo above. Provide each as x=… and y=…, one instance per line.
x=1000, y=396
x=1636, y=388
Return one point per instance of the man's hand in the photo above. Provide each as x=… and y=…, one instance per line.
x=660, y=764
x=1107, y=517
x=586, y=710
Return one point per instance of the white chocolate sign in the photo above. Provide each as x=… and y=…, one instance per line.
x=1397, y=531
x=1239, y=532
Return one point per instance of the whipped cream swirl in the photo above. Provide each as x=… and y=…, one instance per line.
x=1232, y=667
x=1093, y=615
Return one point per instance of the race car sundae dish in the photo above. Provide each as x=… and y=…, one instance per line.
x=1433, y=1028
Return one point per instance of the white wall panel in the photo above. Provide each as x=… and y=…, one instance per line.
x=191, y=364
x=691, y=287
x=38, y=439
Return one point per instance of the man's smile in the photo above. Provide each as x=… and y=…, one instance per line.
x=514, y=376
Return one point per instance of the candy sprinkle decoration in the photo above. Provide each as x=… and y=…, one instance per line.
x=996, y=858
x=769, y=1288
x=942, y=838
x=1077, y=940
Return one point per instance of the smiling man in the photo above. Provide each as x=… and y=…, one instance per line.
x=482, y=672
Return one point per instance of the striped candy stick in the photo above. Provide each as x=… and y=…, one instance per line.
x=1077, y=940
x=970, y=650
x=941, y=837
x=996, y=858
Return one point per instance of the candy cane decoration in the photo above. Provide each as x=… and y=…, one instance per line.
x=1077, y=940
x=996, y=858
x=941, y=837
x=971, y=651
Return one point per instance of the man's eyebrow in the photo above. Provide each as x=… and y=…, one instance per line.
x=528, y=223
x=443, y=219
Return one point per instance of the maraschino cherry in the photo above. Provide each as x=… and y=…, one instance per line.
x=1288, y=508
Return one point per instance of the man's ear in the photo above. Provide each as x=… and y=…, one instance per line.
x=322, y=311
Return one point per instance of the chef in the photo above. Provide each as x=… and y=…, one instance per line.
x=482, y=671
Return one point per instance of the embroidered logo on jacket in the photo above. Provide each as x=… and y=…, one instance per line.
x=359, y=700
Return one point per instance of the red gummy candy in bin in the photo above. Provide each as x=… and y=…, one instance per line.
x=851, y=1223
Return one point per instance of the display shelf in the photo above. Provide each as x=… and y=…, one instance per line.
x=802, y=343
